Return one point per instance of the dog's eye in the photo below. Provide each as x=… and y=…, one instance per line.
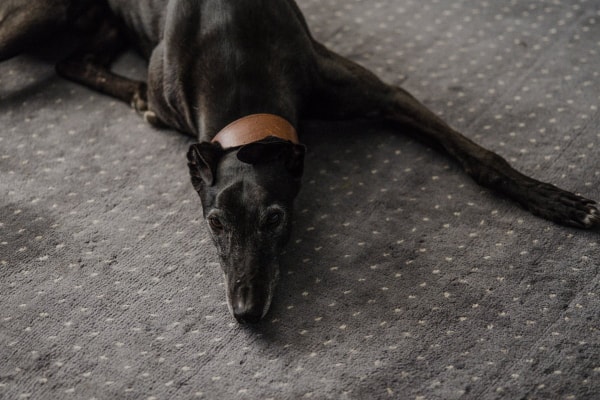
x=273, y=219
x=215, y=223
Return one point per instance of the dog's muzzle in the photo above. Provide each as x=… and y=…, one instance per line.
x=248, y=302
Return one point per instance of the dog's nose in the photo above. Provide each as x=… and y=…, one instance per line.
x=246, y=308
x=250, y=316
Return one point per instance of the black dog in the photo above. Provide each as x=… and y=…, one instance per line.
x=214, y=62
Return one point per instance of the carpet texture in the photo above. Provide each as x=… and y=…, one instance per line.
x=403, y=279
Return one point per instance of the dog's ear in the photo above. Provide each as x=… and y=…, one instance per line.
x=202, y=162
x=270, y=149
x=262, y=151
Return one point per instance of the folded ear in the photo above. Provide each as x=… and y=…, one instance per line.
x=202, y=162
x=262, y=151
x=272, y=148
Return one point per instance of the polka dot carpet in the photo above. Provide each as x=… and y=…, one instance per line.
x=403, y=279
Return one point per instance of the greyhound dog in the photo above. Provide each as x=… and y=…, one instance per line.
x=239, y=75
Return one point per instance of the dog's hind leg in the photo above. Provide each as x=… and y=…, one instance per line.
x=90, y=66
x=345, y=90
x=24, y=23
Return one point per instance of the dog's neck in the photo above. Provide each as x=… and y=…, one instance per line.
x=253, y=128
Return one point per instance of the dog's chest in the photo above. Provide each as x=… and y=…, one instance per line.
x=251, y=59
x=219, y=60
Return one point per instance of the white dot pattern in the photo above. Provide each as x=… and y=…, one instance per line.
x=403, y=278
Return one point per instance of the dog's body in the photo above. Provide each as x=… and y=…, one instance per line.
x=212, y=62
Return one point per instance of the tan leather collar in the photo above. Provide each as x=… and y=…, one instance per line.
x=253, y=128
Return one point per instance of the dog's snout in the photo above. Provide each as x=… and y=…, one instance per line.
x=247, y=306
x=248, y=316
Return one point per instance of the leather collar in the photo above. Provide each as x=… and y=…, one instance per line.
x=253, y=128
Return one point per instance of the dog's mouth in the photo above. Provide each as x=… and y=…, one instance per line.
x=249, y=301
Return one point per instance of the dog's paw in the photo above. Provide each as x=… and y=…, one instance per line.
x=593, y=217
x=139, y=100
x=563, y=207
x=153, y=119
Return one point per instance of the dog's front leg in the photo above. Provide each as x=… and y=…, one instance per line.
x=347, y=90
x=90, y=64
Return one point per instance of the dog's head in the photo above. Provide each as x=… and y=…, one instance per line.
x=247, y=196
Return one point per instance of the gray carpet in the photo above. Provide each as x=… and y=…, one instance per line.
x=403, y=279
